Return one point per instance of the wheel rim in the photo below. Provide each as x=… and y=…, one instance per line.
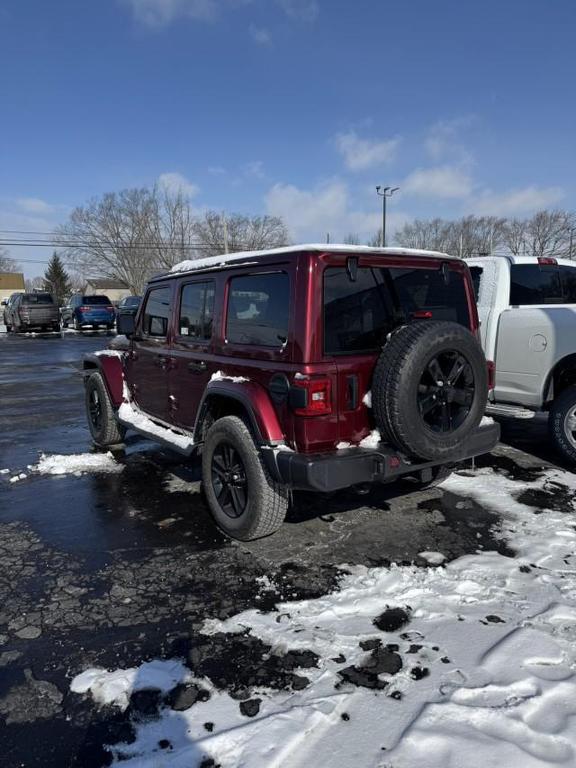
x=570, y=426
x=446, y=391
x=95, y=408
x=229, y=480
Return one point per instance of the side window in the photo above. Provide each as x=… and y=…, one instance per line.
x=157, y=312
x=258, y=309
x=476, y=273
x=196, y=311
x=568, y=275
x=535, y=284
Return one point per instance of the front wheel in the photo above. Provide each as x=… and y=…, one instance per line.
x=244, y=500
x=562, y=423
x=104, y=428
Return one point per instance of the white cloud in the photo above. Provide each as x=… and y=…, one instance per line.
x=255, y=169
x=362, y=154
x=159, y=13
x=303, y=10
x=35, y=205
x=260, y=35
x=442, y=181
x=442, y=139
x=517, y=201
x=311, y=214
x=176, y=182
x=217, y=170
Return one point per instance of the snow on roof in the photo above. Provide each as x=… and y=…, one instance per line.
x=217, y=261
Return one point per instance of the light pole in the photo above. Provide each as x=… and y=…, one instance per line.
x=384, y=193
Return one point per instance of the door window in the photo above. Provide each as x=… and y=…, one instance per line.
x=157, y=312
x=258, y=310
x=196, y=311
x=568, y=275
x=535, y=284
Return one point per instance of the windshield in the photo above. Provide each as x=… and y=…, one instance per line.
x=131, y=301
x=37, y=298
x=96, y=300
x=359, y=315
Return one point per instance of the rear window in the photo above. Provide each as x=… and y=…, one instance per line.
x=37, y=298
x=96, y=300
x=258, y=309
x=359, y=315
x=535, y=284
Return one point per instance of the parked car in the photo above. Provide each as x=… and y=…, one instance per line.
x=527, y=308
x=5, y=304
x=31, y=311
x=311, y=367
x=83, y=311
x=128, y=305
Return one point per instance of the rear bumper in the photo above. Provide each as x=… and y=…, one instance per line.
x=352, y=466
x=96, y=318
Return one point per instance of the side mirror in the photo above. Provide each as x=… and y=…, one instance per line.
x=125, y=324
x=4, y=303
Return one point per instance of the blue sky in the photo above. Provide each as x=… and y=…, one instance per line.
x=291, y=107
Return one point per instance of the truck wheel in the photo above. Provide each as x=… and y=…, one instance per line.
x=243, y=499
x=104, y=428
x=430, y=388
x=562, y=423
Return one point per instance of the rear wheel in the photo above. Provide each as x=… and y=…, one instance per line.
x=104, y=428
x=243, y=499
x=75, y=324
x=562, y=423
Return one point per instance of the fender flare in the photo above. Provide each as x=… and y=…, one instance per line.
x=254, y=400
x=110, y=368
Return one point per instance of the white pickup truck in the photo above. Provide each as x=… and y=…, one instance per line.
x=527, y=309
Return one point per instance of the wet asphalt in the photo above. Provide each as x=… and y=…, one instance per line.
x=114, y=569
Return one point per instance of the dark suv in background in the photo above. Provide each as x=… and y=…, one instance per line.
x=31, y=312
x=93, y=311
x=311, y=367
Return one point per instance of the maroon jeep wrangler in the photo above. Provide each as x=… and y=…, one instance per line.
x=311, y=367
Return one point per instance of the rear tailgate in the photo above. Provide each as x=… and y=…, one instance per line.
x=39, y=314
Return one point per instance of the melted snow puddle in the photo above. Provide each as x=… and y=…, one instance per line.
x=487, y=662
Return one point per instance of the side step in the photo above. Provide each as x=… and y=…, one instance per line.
x=510, y=411
x=133, y=418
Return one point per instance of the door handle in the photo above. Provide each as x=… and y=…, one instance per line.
x=197, y=367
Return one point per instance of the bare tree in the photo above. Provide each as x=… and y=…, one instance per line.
x=217, y=233
x=108, y=237
x=7, y=264
x=351, y=239
x=549, y=233
x=464, y=237
x=34, y=284
x=515, y=236
x=171, y=228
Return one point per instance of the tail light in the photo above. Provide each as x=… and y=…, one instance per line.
x=84, y=309
x=110, y=309
x=491, y=366
x=422, y=314
x=312, y=397
x=547, y=261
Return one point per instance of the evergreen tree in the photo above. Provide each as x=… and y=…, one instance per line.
x=56, y=279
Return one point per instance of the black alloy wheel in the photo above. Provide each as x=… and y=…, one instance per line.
x=446, y=391
x=229, y=480
x=95, y=409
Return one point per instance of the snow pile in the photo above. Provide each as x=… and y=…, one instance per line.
x=372, y=440
x=221, y=376
x=484, y=652
x=16, y=478
x=76, y=464
x=4, y=471
x=133, y=417
x=367, y=399
x=116, y=687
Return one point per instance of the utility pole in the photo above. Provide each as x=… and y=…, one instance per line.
x=225, y=232
x=384, y=194
x=571, y=242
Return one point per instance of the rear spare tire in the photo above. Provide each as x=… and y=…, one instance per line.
x=430, y=388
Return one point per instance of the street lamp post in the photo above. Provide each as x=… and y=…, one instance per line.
x=384, y=193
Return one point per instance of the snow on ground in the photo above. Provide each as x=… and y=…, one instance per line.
x=76, y=464
x=467, y=665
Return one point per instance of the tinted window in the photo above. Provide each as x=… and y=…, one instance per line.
x=535, y=284
x=568, y=275
x=258, y=310
x=359, y=315
x=196, y=310
x=37, y=298
x=476, y=273
x=157, y=312
x=96, y=300
x=131, y=301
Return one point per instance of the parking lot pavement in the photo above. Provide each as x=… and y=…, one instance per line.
x=111, y=567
